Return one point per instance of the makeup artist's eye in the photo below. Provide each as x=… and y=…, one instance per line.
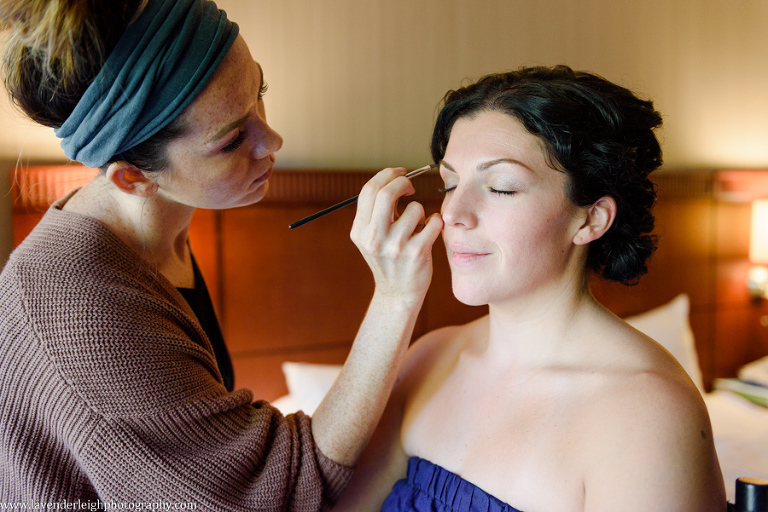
x=232, y=146
x=263, y=89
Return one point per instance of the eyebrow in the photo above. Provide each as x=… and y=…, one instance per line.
x=238, y=122
x=229, y=127
x=487, y=165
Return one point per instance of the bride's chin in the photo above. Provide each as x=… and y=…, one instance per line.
x=259, y=193
x=470, y=297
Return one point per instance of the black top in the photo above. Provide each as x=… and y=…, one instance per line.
x=200, y=302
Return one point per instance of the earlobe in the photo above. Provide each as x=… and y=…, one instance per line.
x=599, y=218
x=130, y=179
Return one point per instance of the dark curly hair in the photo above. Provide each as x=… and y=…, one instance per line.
x=600, y=134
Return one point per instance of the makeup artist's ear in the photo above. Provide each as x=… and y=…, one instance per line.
x=130, y=179
x=599, y=218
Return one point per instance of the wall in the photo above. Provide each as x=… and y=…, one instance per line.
x=355, y=84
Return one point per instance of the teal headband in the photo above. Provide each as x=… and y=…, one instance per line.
x=159, y=65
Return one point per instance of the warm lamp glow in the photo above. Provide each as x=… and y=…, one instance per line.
x=757, y=280
x=758, y=236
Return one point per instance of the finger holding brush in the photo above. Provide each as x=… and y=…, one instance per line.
x=398, y=249
x=351, y=200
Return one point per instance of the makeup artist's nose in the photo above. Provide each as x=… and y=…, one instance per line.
x=269, y=142
x=457, y=210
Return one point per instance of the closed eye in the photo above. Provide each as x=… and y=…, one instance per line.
x=503, y=192
x=446, y=190
x=232, y=146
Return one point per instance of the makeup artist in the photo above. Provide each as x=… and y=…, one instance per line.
x=116, y=383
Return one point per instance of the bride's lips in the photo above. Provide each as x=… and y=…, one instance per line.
x=462, y=255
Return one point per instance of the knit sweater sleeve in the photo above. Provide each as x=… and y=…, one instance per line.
x=220, y=454
x=137, y=365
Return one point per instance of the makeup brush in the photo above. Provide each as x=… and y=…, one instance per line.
x=351, y=200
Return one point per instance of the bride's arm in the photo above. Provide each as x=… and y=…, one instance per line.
x=656, y=452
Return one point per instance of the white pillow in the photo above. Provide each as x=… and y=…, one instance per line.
x=668, y=324
x=756, y=371
x=308, y=383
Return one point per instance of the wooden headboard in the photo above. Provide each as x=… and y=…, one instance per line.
x=300, y=294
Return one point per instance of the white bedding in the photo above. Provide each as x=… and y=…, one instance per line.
x=741, y=436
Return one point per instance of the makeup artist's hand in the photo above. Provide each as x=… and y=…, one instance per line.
x=398, y=249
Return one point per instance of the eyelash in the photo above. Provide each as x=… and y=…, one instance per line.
x=263, y=89
x=494, y=191
x=232, y=146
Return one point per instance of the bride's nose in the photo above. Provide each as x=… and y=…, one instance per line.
x=458, y=208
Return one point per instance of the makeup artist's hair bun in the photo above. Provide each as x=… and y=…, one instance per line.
x=55, y=48
x=597, y=132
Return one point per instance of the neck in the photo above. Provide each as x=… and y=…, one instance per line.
x=154, y=227
x=544, y=330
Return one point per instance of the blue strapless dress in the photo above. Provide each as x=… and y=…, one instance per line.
x=430, y=488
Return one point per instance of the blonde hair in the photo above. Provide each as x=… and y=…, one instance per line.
x=55, y=48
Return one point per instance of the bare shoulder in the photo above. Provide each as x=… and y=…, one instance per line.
x=436, y=348
x=653, y=447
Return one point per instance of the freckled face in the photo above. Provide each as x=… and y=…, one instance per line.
x=509, y=225
x=225, y=159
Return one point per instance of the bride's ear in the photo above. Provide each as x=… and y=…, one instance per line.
x=130, y=179
x=599, y=218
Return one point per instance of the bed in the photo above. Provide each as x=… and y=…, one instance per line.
x=290, y=304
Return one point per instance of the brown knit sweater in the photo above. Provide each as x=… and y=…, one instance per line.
x=109, y=390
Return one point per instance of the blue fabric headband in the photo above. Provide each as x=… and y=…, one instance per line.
x=159, y=65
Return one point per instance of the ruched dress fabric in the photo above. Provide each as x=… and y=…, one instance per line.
x=431, y=488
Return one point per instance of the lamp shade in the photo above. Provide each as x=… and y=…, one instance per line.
x=758, y=236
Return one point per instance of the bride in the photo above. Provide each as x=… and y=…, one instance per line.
x=550, y=402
